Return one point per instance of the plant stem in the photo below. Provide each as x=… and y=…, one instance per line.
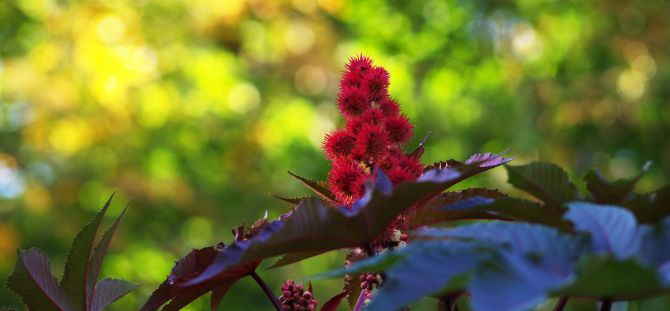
x=606, y=305
x=361, y=300
x=267, y=290
x=561, y=303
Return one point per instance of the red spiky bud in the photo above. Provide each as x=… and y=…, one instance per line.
x=376, y=82
x=338, y=143
x=359, y=64
x=399, y=129
x=388, y=106
x=371, y=142
x=352, y=101
x=347, y=181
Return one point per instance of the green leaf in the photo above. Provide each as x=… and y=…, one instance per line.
x=546, y=181
x=108, y=291
x=604, y=276
x=98, y=256
x=320, y=188
x=33, y=281
x=75, y=279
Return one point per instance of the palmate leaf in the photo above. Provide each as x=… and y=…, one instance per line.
x=546, y=181
x=33, y=281
x=313, y=226
x=613, y=230
x=82, y=268
x=76, y=277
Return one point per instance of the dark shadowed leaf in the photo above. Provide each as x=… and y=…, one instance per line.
x=613, y=229
x=75, y=278
x=33, y=281
x=605, y=276
x=546, y=181
x=651, y=207
x=320, y=188
x=334, y=302
x=429, y=213
x=99, y=253
x=108, y=291
x=187, y=268
x=605, y=192
x=177, y=294
x=313, y=226
x=655, y=249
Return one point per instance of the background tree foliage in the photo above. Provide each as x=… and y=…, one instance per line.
x=196, y=109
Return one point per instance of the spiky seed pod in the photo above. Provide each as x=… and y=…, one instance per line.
x=399, y=129
x=338, y=143
x=347, y=180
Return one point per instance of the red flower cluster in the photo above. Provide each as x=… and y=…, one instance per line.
x=374, y=134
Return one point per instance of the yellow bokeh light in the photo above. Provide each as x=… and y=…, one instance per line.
x=110, y=29
x=70, y=136
x=631, y=84
x=243, y=97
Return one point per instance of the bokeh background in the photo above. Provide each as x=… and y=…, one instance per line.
x=193, y=110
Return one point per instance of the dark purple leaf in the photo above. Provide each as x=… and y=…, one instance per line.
x=108, y=291
x=174, y=290
x=313, y=226
x=428, y=214
x=292, y=201
x=99, y=253
x=334, y=302
x=33, y=281
x=320, y=188
x=75, y=279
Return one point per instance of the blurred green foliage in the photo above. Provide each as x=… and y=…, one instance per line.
x=194, y=110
